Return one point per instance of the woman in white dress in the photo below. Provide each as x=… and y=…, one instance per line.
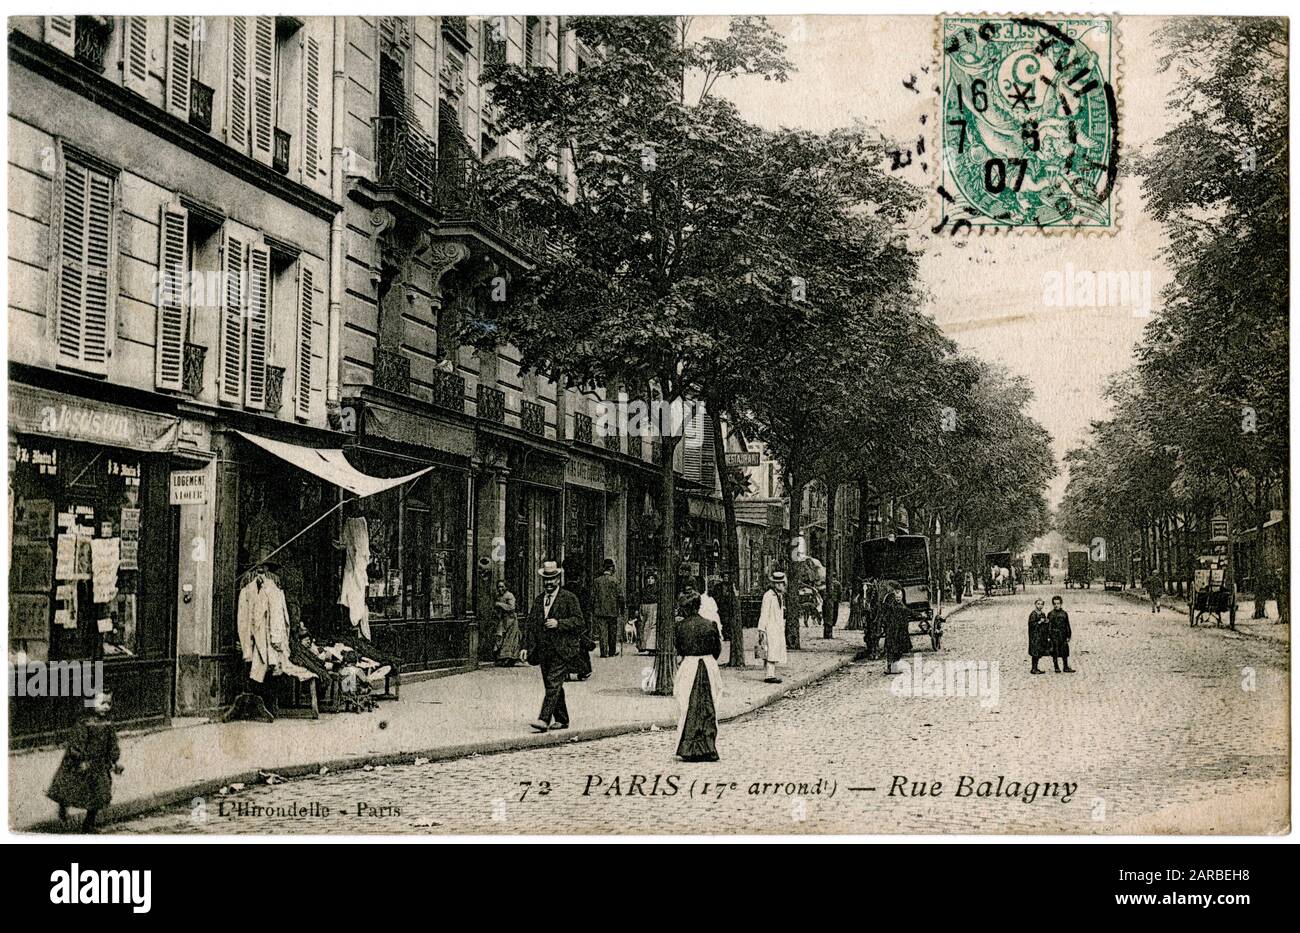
x=771, y=628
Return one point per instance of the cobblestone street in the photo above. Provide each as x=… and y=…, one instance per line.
x=1163, y=727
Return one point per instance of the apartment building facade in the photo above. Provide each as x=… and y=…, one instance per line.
x=237, y=242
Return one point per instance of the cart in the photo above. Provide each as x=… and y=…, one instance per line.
x=1040, y=568
x=904, y=559
x=1211, y=595
x=1078, y=570
x=999, y=574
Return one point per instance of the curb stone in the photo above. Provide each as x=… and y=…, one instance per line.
x=209, y=788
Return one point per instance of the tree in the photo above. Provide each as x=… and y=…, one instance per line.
x=640, y=178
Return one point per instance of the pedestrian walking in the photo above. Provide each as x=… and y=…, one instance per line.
x=608, y=605
x=554, y=640
x=771, y=628
x=698, y=684
x=959, y=583
x=897, y=622
x=1039, y=636
x=648, y=615
x=1155, y=586
x=84, y=778
x=509, y=637
x=1058, y=621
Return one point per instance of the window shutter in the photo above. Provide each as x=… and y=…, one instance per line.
x=306, y=305
x=169, y=353
x=135, y=53
x=263, y=88
x=259, y=324
x=86, y=244
x=61, y=32
x=311, y=112
x=237, y=91
x=231, y=376
x=180, y=55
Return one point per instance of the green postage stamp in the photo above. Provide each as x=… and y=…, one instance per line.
x=1029, y=123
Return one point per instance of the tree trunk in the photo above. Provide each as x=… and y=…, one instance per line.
x=831, y=607
x=730, y=546
x=795, y=568
x=665, y=648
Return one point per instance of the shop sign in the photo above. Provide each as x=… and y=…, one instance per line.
x=710, y=509
x=741, y=458
x=189, y=487
x=55, y=414
x=588, y=473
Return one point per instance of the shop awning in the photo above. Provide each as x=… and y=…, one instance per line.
x=330, y=465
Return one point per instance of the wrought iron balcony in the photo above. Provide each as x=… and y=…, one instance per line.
x=93, y=36
x=274, y=388
x=582, y=428
x=192, y=374
x=532, y=417
x=463, y=199
x=448, y=390
x=457, y=29
x=280, y=152
x=491, y=404
x=201, y=105
x=611, y=441
x=407, y=159
x=634, y=445
x=392, y=371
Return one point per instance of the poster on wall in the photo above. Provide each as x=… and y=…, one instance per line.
x=29, y=617
x=32, y=569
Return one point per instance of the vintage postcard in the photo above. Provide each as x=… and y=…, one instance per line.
x=648, y=425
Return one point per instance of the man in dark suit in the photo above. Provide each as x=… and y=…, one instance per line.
x=609, y=609
x=553, y=640
x=1058, y=627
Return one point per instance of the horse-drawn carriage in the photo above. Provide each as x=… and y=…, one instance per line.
x=1078, y=570
x=1040, y=568
x=905, y=560
x=999, y=574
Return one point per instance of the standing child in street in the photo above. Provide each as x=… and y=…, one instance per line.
x=1058, y=623
x=85, y=776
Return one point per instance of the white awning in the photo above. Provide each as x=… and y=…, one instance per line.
x=331, y=465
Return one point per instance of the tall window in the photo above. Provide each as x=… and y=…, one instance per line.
x=84, y=295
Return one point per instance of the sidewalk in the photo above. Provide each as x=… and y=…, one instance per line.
x=1258, y=628
x=450, y=717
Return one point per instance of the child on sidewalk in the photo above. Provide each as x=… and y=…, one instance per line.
x=85, y=776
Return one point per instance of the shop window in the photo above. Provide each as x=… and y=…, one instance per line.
x=416, y=550
x=75, y=574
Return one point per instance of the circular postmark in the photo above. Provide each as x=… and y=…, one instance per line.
x=1030, y=127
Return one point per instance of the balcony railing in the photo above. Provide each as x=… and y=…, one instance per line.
x=457, y=27
x=634, y=445
x=581, y=428
x=491, y=404
x=280, y=152
x=274, y=388
x=392, y=371
x=192, y=375
x=461, y=197
x=92, y=39
x=448, y=390
x=408, y=159
x=610, y=441
x=532, y=418
x=201, y=105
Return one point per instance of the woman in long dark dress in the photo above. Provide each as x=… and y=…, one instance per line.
x=697, y=685
x=897, y=620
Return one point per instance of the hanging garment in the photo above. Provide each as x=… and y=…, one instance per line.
x=263, y=623
x=356, y=547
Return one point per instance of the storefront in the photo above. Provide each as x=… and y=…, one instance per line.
x=533, y=528
x=418, y=592
x=92, y=554
x=584, y=526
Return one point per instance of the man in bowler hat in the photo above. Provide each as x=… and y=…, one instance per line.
x=553, y=640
